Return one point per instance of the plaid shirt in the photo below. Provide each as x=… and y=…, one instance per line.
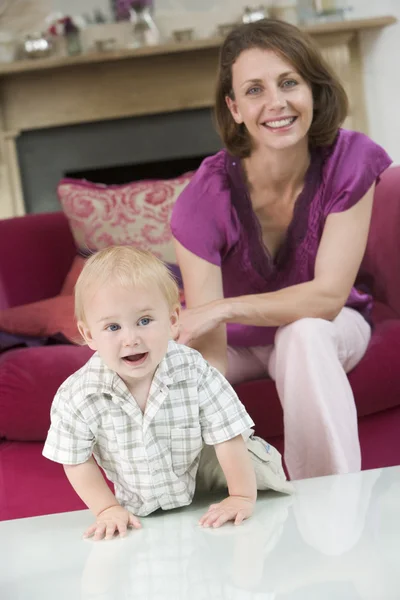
x=152, y=457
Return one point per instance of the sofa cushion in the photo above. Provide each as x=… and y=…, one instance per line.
x=49, y=317
x=36, y=253
x=29, y=378
x=136, y=213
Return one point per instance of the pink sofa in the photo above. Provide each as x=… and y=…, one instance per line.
x=36, y=252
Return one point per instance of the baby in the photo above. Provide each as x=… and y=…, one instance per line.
x=144, y=407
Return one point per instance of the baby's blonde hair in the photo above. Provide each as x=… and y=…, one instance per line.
x=126, y=266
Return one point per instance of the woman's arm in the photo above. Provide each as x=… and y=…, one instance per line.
x=338, y=260
x=202, y=282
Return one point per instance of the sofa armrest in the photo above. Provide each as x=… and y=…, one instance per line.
x=36, y=252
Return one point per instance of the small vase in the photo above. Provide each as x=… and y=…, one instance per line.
x=73, y=43
x=8, y=46
x=145, y=31
x=72, y=37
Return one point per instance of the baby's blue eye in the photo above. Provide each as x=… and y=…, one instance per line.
x=145, y=321
x=113, y=327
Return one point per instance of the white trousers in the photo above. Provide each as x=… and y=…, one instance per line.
x=308, y=362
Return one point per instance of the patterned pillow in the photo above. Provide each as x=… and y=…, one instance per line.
x=136, y=213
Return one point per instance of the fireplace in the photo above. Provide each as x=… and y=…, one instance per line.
x=111, y=152
x=165, y=169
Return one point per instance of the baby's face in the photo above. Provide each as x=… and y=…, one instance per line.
x=130, y=328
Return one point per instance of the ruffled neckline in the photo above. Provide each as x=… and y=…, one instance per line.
x=259, y=257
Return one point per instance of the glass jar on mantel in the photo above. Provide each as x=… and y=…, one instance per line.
x=145, y=30
x=8, y=46
x=72, y=37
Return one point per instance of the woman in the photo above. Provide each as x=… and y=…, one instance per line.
x=270, y=234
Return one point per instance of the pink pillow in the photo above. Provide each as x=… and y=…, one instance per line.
x=136, y=213
x=42, y=319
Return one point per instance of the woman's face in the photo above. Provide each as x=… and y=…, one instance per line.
x=271, y=99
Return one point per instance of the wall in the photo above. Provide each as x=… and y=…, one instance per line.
x=381, y=48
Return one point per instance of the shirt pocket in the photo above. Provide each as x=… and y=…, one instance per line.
x=186, y=446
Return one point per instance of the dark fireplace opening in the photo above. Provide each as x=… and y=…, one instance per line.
x=118, y=151
x=120, y=174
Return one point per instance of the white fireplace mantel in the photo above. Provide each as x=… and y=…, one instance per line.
x=58, y=91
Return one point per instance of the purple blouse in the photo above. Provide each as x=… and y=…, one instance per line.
x=214, y=219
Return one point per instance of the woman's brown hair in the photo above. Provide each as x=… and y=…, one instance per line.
x=295, y=46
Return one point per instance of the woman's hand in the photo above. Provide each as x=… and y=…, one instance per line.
x=233, y=508
x=195, y=322
x=115, y=519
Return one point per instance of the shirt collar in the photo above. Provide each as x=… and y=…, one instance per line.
x=108, y=382
x=172, y=369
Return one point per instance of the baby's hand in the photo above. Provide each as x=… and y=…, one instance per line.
x=233, y=508
x=111, y=520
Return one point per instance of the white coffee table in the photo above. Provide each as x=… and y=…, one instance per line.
x=336, y=538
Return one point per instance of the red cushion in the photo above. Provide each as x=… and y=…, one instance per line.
x=36, y=253
x=29, y=378
x=45, y=318
x=72, y=277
